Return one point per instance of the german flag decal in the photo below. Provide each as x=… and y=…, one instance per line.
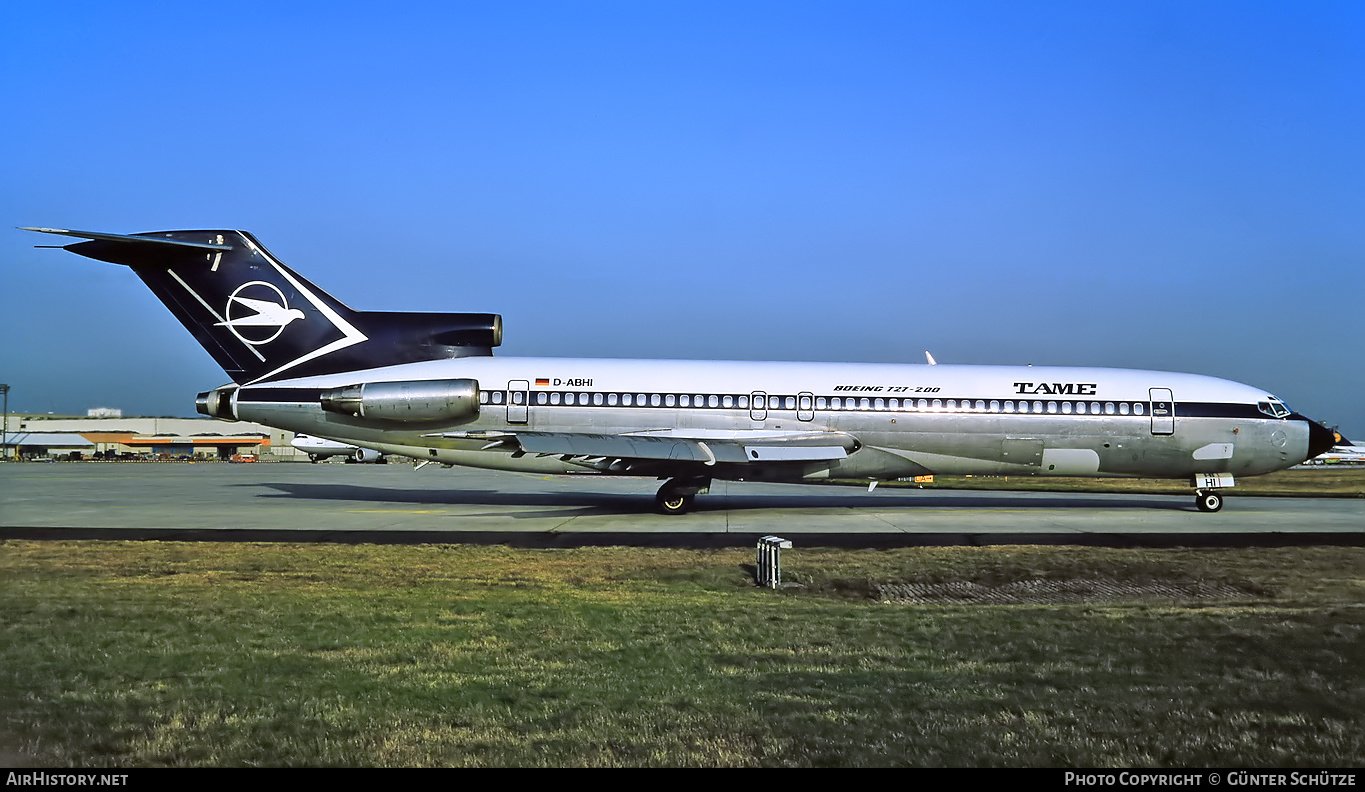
x=542, y=382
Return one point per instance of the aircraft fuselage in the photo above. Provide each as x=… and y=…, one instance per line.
x=907, y=419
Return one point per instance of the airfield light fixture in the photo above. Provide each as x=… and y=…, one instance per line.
x=4, y=426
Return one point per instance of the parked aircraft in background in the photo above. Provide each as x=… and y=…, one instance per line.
x=319, y=449
x=1344, y=452
x=427, y=386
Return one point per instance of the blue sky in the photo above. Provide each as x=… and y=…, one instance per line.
x=1175, y=185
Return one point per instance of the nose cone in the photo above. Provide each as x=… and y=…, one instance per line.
x=1320, y=438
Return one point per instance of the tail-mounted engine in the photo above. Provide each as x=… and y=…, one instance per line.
x=423, y=401
x=218, y=403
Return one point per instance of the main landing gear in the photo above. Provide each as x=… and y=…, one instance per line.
x=676, y=495
x=1208, y=500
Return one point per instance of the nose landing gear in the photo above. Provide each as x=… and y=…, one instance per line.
x=1206, y=486
x=676, y=496
x=1208, y=500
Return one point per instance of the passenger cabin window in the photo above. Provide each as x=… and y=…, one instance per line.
x=1137, y=408
x=1123, y=408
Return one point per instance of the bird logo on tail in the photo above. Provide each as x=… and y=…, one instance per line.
x=257, y=312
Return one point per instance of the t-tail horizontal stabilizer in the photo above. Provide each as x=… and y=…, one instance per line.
x=261, y=320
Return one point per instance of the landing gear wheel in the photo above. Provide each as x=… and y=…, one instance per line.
x=676, y=496
x=1208, y=501
x=670, y=501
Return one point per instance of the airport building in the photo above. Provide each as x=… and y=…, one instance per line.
x=28, y=436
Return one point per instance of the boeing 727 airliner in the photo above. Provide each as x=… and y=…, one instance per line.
x=427, y=386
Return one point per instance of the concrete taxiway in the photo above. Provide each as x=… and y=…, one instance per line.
x=394, y=503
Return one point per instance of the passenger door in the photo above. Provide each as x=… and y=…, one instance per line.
x=1163, y=411
x=518, y=398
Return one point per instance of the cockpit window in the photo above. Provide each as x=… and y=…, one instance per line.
x=1273, y=407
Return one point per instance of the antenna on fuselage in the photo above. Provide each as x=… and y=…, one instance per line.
x=930, y=358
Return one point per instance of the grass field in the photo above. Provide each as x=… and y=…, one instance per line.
x=148, y=654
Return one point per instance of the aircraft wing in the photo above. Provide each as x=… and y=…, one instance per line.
x=706, y=447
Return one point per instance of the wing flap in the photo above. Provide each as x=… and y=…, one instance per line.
x=706, y=447
x=620, y=446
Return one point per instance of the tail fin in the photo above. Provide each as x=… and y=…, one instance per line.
x=261, y=320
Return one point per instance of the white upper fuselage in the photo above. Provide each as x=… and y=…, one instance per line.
x=886, y=380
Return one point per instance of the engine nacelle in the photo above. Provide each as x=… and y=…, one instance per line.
x=367, y=455
x=217, y=403
x=419, y=401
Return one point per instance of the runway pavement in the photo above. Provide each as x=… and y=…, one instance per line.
x=394, y=503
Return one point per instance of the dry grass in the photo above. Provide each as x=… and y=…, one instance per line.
x=145, y=654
